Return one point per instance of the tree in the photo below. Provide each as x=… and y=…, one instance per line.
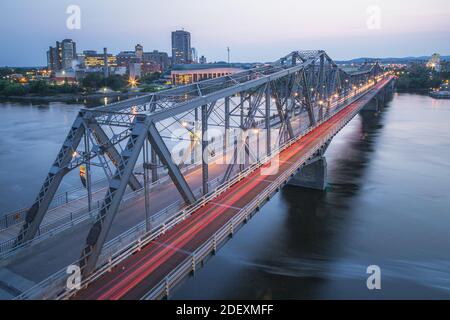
x=68, y=88
x=93, y=81
x=14, y=89
x=39, y=87
x=6, y=71
x=116, y=82
x=150, y=77
x=3, y=84
x=418, y=77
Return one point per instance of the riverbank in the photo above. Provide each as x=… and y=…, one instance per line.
x=440, y=95
x=73, y=98
x=423, y=91
x=435, y=95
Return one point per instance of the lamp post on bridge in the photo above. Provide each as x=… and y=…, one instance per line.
x=256, y=131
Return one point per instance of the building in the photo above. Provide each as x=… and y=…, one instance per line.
x=69, y=54
x=124, y=58
x=94, y=60
x=63, y=77
x=203, y=60
x=150, y=67
x=134, y=70
x=157, y=57
x=81, y=57
x=54, y=59
x=181, y=47
x=194, y=55
x=186, y=74
x=62, y=56
x=139, y=52
x=120, y=71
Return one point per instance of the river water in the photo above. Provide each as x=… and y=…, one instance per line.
x=387, y=204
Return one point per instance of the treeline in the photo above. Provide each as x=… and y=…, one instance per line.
x=39, y=87
x=418, y=77
x=91, y=83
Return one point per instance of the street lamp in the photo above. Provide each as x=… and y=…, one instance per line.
x=193, y=137
x=256, y=131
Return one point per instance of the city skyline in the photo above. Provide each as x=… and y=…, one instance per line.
x=414, y=30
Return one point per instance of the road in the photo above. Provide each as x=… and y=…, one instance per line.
x=135, y=276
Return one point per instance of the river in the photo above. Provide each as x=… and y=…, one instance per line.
x=387, y=204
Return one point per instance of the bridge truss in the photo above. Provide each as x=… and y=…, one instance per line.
x=302, y=87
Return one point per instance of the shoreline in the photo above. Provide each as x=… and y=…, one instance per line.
x=75, y=98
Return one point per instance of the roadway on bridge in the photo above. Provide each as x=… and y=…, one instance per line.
x=138, y=274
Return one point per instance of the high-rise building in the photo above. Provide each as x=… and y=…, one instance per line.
x=139, y=51
x=80, y=60
x=202, y=60
x=62, y=56
x=194, y=55
x=181, y=47
x=68, y=54
x=53, y=59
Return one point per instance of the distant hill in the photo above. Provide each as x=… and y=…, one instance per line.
x=391, y=60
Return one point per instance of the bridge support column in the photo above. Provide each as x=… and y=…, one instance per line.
x=313, y=175
x=376, y=104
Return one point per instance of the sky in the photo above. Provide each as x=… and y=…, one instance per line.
x=255, y=30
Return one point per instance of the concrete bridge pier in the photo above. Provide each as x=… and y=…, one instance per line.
x=313, y=174
x=378, y=102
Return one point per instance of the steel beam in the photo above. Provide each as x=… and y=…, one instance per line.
x=226, y=135
x=37, y=211
x=205, y=151
x=111, y=151
x=268, y=101
x=166, y=158
x=117, y=186
x=309, y=106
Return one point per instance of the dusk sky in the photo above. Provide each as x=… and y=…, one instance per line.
x=255, y=30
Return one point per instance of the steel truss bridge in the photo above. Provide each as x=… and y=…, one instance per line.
x=285, y=112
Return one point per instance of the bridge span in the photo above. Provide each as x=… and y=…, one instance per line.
x=164, y=262
x=273, y=125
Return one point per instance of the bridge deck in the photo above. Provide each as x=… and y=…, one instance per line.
x=135, y=276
